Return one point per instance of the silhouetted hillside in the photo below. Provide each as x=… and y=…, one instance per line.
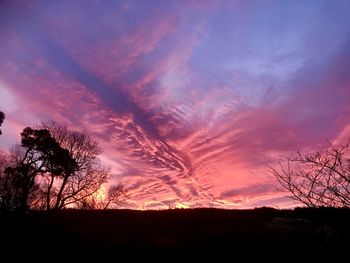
x=178, y=235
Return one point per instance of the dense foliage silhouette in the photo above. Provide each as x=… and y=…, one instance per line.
x=2, y=118
x=54, y=168
x=38, y=155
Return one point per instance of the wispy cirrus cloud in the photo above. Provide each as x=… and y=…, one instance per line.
x=191, y=101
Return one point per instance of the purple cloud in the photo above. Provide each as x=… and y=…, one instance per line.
x=190, y=100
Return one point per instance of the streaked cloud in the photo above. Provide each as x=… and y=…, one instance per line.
x=190, y=100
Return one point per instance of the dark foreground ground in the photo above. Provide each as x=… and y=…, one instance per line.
x=179, y=235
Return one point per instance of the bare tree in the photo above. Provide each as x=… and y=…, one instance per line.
x=116, y=196
x=4, y=161
x=82, y=182
x=6, y=199
x=53, y=168
x=317, y=179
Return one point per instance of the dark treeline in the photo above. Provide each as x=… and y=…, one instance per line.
x=185, y=235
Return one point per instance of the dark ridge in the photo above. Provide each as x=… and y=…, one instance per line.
x=186, y=235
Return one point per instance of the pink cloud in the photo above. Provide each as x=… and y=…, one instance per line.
x=174, y=131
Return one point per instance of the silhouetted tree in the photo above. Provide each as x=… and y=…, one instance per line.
x=87, y=177
x=116, y=196
x=38, y=155
x=317, y=179
x=53, y=168
x=5, y=185
x=2, y=118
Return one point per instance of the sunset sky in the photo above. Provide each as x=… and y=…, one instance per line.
x=191, y=100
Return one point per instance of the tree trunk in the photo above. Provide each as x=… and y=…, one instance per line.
x=48, y=194
x=59, y=195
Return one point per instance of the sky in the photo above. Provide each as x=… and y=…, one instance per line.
x=190, y=100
